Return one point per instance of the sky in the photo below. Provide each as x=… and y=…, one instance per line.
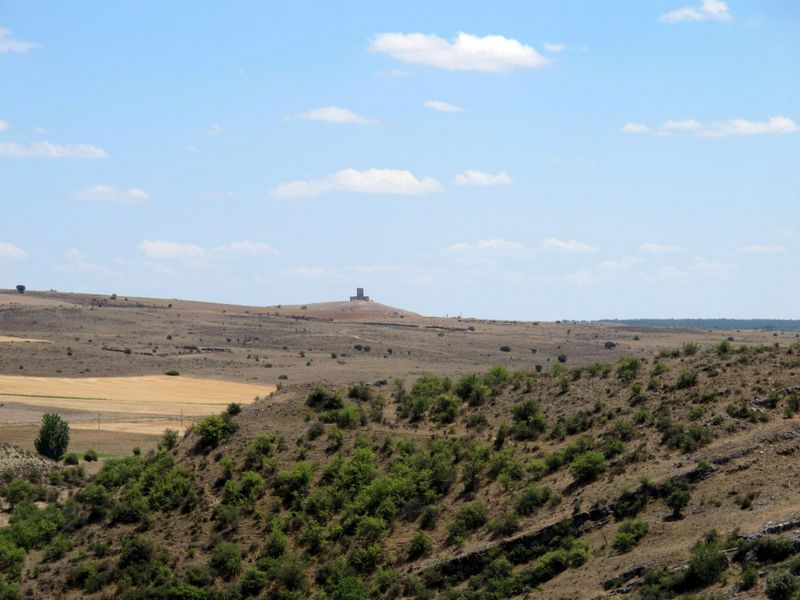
x=539, y=160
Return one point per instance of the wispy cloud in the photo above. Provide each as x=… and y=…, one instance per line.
x=481, y=179
x=11, y=252
x=215, y=130
x=160, y=249
x=777, y=125
x=554, y=48
x=4, y=125
x=8, y=44
x=111, y=195
x=45, y=149
x=708, y=10
x=491, y=53
x=369, y=181
x=78, y=262
x=334, y=114
x=485, y=247
x=635, y=128
x=569, y=246
x=653, y=248
x=442, y=106
x=761, y=249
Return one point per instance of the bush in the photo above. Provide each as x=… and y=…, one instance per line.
x=12, y=559
x=90, y=456
x=468, y=518
x=724, y=348
x=421, y=545
x=588, y=466
x=71, y=459
x=472, y=389
x=169, y=439
x=629, y=535
x=53, y=438
x=687, y=379
x=212, y=430
x=531, y=498
x=781, y=586
x=677, y=496
x=628, y=368
x=252, y=581
x=529, y=420
x=349, y=588
x=322, y=399
x=707, y=563
x=226, y=559
x=445, y=409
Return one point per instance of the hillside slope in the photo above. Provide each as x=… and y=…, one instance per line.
x=567, y=484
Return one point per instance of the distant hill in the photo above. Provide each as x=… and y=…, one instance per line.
x=765, y=324
x=353, y=309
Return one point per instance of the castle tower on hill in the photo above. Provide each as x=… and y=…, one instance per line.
x=359, y=295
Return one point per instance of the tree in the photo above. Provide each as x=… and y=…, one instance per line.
x=21, y=288
x=53, y=438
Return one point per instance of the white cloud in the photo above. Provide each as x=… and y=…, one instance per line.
x=555, y=48
x=217, y=195
x=635, y=128
x=162, y=249
x=9, y=44
x=334, y=114
x=78, y=263
x=4, y=125
x=246, y=248
x=684, y=125
x=111, y=195
x=159, y=249
x=491, y=53
x=775, y=125
x=47, y=150
x=761, y=249
x=442, y=106
x=622, y=264
x=495, y=246
x=569, y=246
x=215, y=130
x=652, y=248
x=369, y=181
x=714, y=10
x=10, y=251
x=481, y=179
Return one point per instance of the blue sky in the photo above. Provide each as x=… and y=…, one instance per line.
x=517, y=159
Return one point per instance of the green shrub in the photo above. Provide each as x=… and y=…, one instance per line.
x=529, y=420
x=724, y=348
x=252, y=581
x=628, y=368
x=588, y=466
x=226, y=559
x=53, y=438
x=96, y=498
x=749, y=578
x=469, y=517
x=71, y=459
x=471, y=389
x=276, y=543
x=322, y=399
x=90, y=456
x=211, y=431
x=259, y=448
x=9, y=592
x=707, y=563
x=12, y=559
x=677, y=496
x=445, y=409
x=497, y=377
x=349, y=588
x=531, y=499
x=504, y=525
x=421, y=545
x=781, y=586
x=689, y=348
x=629, y=535
x=687, y=379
